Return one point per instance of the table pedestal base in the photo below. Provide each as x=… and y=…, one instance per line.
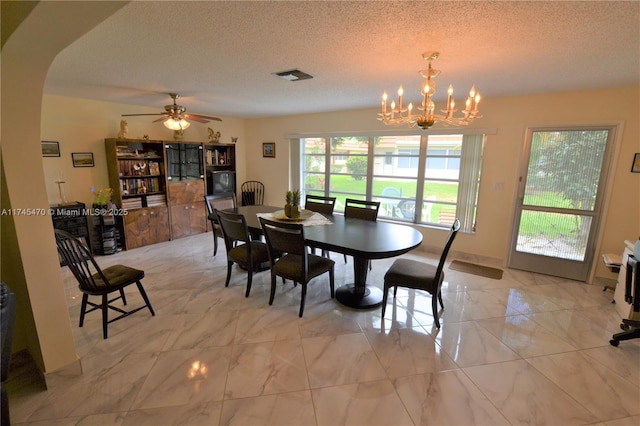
x=371, y=298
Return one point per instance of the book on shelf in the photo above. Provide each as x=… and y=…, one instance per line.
x=132, y=203
x=156, y=200
x=154, y=168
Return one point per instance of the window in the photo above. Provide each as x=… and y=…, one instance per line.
x=418, y=179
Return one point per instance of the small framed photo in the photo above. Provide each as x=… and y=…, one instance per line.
x=269, y=149
x=635, y=167
x=82, y=159
x=50, y=148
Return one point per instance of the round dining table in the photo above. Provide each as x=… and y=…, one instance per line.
x=362, y=239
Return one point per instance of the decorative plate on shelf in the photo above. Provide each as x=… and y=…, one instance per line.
x=304, y=214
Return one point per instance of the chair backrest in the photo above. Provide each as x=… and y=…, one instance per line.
x=252, y=193
x=219, y=202
x=317, y=203
x=234, y=228
x=283, y=237
x=453, y=231
x=361, y=209
x=391, y=191
x=78, y=258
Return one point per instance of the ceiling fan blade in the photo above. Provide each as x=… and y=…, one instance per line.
x=135, y=115
x=195, y=118
x=206, y=117
x=161, y=119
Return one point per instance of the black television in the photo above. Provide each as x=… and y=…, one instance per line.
x=221, y=182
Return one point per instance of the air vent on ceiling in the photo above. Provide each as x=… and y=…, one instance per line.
x=293, y=75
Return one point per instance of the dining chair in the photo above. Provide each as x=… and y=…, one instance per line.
x=297, y=264
x=252, y=193
x=249, y=254
x=320, y=204
x=361, y=209
x=420, y=275
x=219, y=202
x=94, y=281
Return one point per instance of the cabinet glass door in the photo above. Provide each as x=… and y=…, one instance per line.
x=184, y=161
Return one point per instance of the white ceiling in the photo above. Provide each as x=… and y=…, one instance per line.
x=220, y=55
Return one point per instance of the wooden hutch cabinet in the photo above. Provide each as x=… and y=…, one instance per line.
x=160, y=186
x=137, y=177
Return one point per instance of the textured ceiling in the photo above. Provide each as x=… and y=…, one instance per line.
x=220, y=55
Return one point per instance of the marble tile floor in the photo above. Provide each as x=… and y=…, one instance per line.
x=526, y=349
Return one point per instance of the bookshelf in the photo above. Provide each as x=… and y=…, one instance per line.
x=137, y=177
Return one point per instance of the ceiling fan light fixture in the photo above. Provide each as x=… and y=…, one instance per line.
x=176, y=124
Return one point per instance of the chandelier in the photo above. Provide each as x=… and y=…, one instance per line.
x=398, y=114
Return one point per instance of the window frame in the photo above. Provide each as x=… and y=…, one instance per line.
x=297, y=169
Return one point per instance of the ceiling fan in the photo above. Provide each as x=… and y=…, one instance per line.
x=175, y=116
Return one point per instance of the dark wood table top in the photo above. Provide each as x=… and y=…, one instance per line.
x=353, y=237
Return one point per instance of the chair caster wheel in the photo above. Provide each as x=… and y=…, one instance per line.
x=614, y=342
x=624, y=326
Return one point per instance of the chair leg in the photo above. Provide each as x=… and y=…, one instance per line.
x=122, y=296
x=215, y=242
x=249, y=279
x=345, y=258
x=273, y=289
x=331, y=284
x=440, y=299
x=434, y=307
x=229, y=265
x=304, y=295
x=144, y=296
x=105, y=309
x=385, y=293
x=83, y=308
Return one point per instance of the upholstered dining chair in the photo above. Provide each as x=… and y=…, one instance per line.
x=252, y=193
x=361, y=209
x=94, y=281
x=420, y=275
x=241, y=249
x=320, y=204
x=297, y=264
x=219, y=202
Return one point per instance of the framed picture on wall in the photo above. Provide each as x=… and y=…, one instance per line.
x=50, y=149
x=269, y=149
x=82, y=159
x=635, y=167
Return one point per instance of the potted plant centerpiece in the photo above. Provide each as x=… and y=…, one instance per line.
x=292, y=206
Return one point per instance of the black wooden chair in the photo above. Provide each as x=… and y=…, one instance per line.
x=297, y=264
x=320, y=204
x=241, y=249
x=93, y=281
x=420, y=275
x=252, y=193
x=361, y=209
x=218, y=202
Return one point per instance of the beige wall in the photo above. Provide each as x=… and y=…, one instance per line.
x=502, y=161
x=81, y=125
